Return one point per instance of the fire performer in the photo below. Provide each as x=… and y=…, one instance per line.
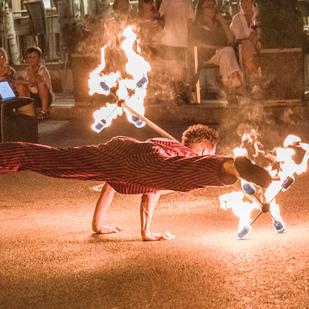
x=200, y=139
x=133, y=167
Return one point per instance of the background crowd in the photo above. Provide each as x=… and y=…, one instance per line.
x=181, y=40
x=170, y=29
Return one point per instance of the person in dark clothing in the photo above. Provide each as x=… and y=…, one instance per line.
x=214, y=40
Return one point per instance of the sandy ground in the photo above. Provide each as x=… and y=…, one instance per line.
x=51, y=259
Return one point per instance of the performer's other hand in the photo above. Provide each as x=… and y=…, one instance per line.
x=110, y=228
x=158, y=236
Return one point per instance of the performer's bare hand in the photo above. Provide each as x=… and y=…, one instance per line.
x=110, y=228
x=158, y=236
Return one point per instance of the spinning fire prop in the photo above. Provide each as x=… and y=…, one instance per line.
x=131, y=91
x=290, y=160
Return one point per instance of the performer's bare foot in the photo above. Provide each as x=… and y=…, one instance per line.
x=110, y=228
x=158, y=236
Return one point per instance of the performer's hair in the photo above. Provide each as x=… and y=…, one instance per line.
x=200, y=133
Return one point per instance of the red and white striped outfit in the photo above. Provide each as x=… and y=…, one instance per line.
x=128, y=165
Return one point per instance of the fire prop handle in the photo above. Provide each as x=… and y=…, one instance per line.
x=265, y=207
x=147, y=121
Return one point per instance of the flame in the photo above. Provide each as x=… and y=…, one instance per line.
x=241, y=209
x=131, y=89
x=284, y=179
x=238, y=152
x=252, y=139
x=270, y=194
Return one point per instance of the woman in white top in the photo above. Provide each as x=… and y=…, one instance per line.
x=244, y=27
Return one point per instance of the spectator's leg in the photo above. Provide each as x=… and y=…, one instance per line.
x=176, y=56
x=226, y=59
x=23, y=90
x=29, y=109
x=177, y=74
x=44, y=95
x=251, y=61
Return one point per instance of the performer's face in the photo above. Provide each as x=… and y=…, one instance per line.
x=204, y=149
x=208, y=151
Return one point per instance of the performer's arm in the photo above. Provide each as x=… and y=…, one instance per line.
x=104, y=201
x=148, y=204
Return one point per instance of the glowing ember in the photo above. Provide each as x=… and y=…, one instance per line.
x=131, y=89
x=290, y=160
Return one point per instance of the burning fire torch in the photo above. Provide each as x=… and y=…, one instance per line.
x=278, y=223
x=288, y=168
x=131, y=92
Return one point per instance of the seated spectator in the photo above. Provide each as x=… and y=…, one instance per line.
x=35, y=83
x=214, y=39
x=245, y=30
x=7, y=73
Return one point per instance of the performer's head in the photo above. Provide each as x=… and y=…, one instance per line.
x=201, y=139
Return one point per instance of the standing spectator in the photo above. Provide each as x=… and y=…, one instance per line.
x=150, y=28
x=150, y=25
x=244, y=27
x=214, y=39
x=122, y=10
x=121, y=18
x=35, y=83
x=99, y=8
x=178, y=16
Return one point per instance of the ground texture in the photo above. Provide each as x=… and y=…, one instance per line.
x=51, y=259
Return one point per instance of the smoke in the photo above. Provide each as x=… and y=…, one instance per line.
x=270, y=124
